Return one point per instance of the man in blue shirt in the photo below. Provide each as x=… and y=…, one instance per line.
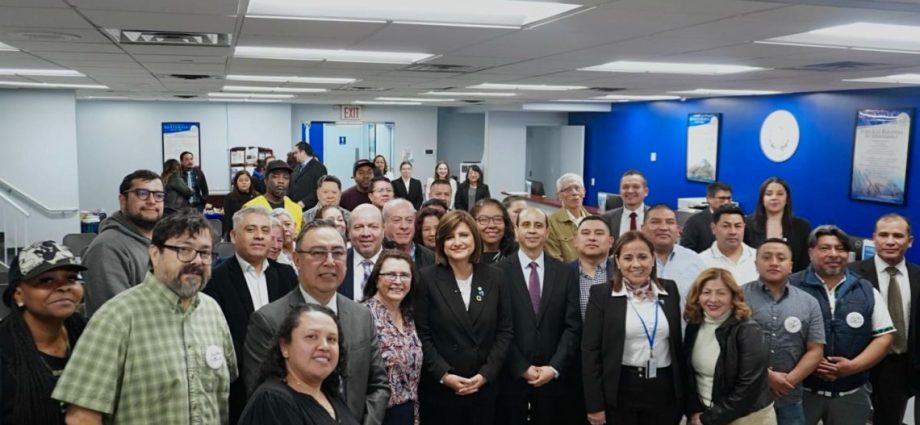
x=673, y=261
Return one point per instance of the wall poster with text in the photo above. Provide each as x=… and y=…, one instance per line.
x=702, y=146
x=880, y=154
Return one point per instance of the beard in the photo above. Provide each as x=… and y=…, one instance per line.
x=142, y=222
x=190, y=285
x=279, y=191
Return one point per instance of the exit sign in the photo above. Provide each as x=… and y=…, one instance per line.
x=351, y=112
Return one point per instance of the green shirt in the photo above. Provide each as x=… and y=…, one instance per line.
x=142, y=360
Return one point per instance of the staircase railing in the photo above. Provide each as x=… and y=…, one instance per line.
x=7, y=187
x=13, y=226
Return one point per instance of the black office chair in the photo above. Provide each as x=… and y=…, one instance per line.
x=536, y=188
x=224, y=249
x=613, y=202
x=78, y=242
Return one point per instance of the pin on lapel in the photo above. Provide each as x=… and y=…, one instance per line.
x=480, y=293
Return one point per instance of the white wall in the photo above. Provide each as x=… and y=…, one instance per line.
x=39, y=149
x=506, y=145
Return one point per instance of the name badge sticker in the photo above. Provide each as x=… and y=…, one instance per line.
x=214, y=357
x=855, y=320
x=792, y=324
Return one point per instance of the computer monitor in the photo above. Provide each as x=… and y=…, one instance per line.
x=613, y=202
x=536, y=188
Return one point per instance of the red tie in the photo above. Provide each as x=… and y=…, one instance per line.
x=534, y=287
x=632, y=220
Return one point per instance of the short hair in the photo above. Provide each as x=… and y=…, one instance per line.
x=658, y=207
x=591, y=218
x=726, y=209
x=243, y=212
x=776, y=241
x=545, y=216
x=186, y=221
x=379, y=179
x=446, y=228
x=370, y=288
x=393, y=203
x=633, y=172
x=437, y=203
x=693, y=313
x=275, y=222
x=441, y=182
x=314, y=225
x=321, y=213
x=279, y=212
x=829, y=230
x=568, y=178
x=715, y=187
x=142, y=175
x=477, y=169
x=328, y=178
x=895, y=216
x=510, y=199
x=184, y=153
x=420, y=221
x=305, y=147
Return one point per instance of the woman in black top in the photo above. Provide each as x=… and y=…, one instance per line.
x=39, y=333
x=496, y=230
x=773, y=219
x=242, y=191
x=177, y=190
x=301, y=378
x=471, y=190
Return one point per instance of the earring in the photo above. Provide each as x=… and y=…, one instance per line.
x=20, y=304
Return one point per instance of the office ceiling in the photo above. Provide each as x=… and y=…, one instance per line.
x=69, y=34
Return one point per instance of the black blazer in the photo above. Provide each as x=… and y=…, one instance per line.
x=462, y=198
x=548, y=339
x=413, y=193
x=613, y=220
x=602, y=340
x=456, y=340
x=697, y=233
x=424, y=257
x=303, y=184
x=347, y=288
x=796, y=236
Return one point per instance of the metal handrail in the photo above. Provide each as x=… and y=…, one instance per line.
x=13, y=190
x=15, y=205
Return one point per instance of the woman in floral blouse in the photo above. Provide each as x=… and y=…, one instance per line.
x=388, y=295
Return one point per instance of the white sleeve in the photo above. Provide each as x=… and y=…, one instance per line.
x=881, y=319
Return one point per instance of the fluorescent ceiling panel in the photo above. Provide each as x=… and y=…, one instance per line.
x=630, y=97
x=7, y=48
x=536, y=87
x=567, y=107
x=469, y=94
x=413, y=99
x=890, y=79
x=726, y=92
x=858, y=36
x=582, y=100
x=470, y=13
x=671, y=68
x=41, y=72
x=252, y=95
x=290, y=79
x=246, y=100
x=53, y=85
x=274, y=89
x=298, y=54
x=376, y=102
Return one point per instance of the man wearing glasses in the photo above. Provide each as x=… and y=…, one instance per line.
x=563, y=224
x=117, y=259
x=321, y=260
x=160, y=352
x=697, y=235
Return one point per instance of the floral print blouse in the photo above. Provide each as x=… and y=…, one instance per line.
x=401, y=352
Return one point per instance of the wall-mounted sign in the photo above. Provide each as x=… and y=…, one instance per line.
x=881, y=150
x=351, y=113
x=779, y=136
x=702, y=147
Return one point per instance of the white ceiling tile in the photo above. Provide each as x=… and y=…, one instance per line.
x=162, y=21
x=39, y=47
x=41, y=17
x=14, y=35
x=212, y=7
x=176, y=50
x=427, y=39
x=295, y=33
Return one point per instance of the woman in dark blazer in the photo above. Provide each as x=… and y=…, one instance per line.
x=407, y=187
x=177, y=191
x=463, y=318
x=241, y=191
x=471, y=190
x=726, y=356
x=773, y=218
x=632, y=356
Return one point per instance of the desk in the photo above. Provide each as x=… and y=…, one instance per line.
x=547, y=205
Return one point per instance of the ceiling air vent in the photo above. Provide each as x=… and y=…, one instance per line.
x=185, y=96
x=838, y=66
x=360, y=89
x=445, y=68
x=471, y=101
x=169, y=38
x=192, y=77
x=607, y=89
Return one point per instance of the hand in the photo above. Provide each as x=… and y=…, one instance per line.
x=472, y=385
x=845, y=366
x=531, y=373
x=779, y=384
x=544, y=375
x=826, y=370
x=695, y=419
x=455, y=382
x=301, y=204
x=597, y=418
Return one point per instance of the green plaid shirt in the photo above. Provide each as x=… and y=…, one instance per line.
x=142, y=360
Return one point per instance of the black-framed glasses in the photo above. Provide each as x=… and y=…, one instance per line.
x=144, y=194
x=187, y=255
x=485, y=220
x=392, y=277
x=320, y=254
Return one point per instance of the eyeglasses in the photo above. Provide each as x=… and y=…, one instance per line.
x=187, y=255
x=485, y=220
x=571, y=189
x=319, y=254
x=144, y=194
x=384, y=190
x=392, y=277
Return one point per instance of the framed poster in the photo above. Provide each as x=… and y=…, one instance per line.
x=702, y=146
x=881, y=148
x=181, y=137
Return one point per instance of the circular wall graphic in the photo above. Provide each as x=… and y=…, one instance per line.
x=779, y=135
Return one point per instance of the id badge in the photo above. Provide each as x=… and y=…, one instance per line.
x=651, y=368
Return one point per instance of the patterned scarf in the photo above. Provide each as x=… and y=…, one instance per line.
x=641, y=292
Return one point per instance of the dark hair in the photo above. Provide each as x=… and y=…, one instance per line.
x=438, y=164
x=715, y=187
x=632, y=236
x=760, y=212
x=313, y=225
x=304, y=146
x=184, y=153
x=370, y=289
x=440, y=181
x=726, y=209
x=186, y=221
x=475, y=168
x=252, y=187
x=778, y=241
x=291, y=161
x=377, y=179
x=409, y=163
x=659, y=207
x=436, y=203
x=170, y=168
x=142, y=175
x=895, y=216
x=829, y=230
x=590, y=218
x=510, y=199
x=260, y=164
x=446, y=228
x=420, y=221
x=507, y=245
x=274, y=365
x=328, y=178
x=632, y=172
x=386, y=165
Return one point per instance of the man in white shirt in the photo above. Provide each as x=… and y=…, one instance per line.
x=673, y=261
x=729, y=250
x=633, y=191
x=366, y=232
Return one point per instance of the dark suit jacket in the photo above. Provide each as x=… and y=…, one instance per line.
x=603, y=337
x=303, y=184
x=201, y=184
x=367, y=388
x=413, y=193
x=456, y=340
x=462, y=198
x=797, y=237
x=613, y=220
x=550, y=338
x=697, y=233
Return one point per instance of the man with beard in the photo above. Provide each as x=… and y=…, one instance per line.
x=277, y=179
x=194, y=178
x=399, y=232
x=117, y=259
x=160, y=352
x=362, y=173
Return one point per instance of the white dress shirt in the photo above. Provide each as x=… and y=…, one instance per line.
x=332, y=305
x=636, y=351
x=255, y=282
x=525, y=267
x=743, y=270
x=624, y=220
x=358, y=269
x=466, y=287
x=903, y=283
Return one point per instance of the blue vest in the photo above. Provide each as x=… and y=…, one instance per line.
x=855, y=302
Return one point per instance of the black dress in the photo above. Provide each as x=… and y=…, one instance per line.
x=276, y=403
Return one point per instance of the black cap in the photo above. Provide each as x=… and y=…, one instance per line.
x=361, y=163
x=278, y=165
x=36, y=259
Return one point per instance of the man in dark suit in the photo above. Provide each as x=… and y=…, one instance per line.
x=194, y=178
x=302, y=189
x=399, y=232
x=246, y=282
x=893, y=379
x=320, y=260
x=633, y=191
x=540, y=372
x=697, y=235
x=407, y=187
x=366, y=232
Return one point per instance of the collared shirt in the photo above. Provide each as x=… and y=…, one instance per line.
x=636, y=351
x=683, y=267
x=881, y=319
x=586, y=281
x=525, y=268
x=576, y=220
x=255, y=281
x=144, y=360
x=788, y=324
x=743, y=270
x=358, y=273
x=307, y=298
x=466, y=287
x=903, y=283
x=625, y=220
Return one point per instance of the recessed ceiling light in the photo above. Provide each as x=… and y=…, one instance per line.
x=726, y=92
x=582, y=100
x=469, y=94
x=567, y=107
x=671, y=68
x=274, y=89
x=858, y=36
x=537, y=87
x=298, y=54
x=913, y=79
x=374, y=102
x=290, y=79
x=413, y=99
x=41, y=72
x=54, y=85
x=7, y=48
x=631, y=97
x=246, y=100
x=470, y=13
x=252, y=95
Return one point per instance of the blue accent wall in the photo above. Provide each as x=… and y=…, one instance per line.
x=316, y=139
x=818, y=172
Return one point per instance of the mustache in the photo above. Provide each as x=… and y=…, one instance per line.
x=193, y=268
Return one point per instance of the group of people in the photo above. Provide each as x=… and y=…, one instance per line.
x=395, y=302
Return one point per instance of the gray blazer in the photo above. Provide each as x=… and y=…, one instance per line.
x=367, y=389
x=613, y=220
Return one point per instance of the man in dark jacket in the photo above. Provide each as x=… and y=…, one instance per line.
x=399, y=232
x=306, y=174
x=697, y=235
x=195, y=180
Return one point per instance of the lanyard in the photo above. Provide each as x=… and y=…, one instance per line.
x=650, y=337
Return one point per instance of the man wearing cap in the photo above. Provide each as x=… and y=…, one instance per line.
x=303, y=182
x=160, y=352
x=277, y=179
x=362, y=173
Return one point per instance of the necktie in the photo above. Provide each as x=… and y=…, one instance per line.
x=534, y=287
x=368, y=265
x=897, y=312
x=632, y=220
